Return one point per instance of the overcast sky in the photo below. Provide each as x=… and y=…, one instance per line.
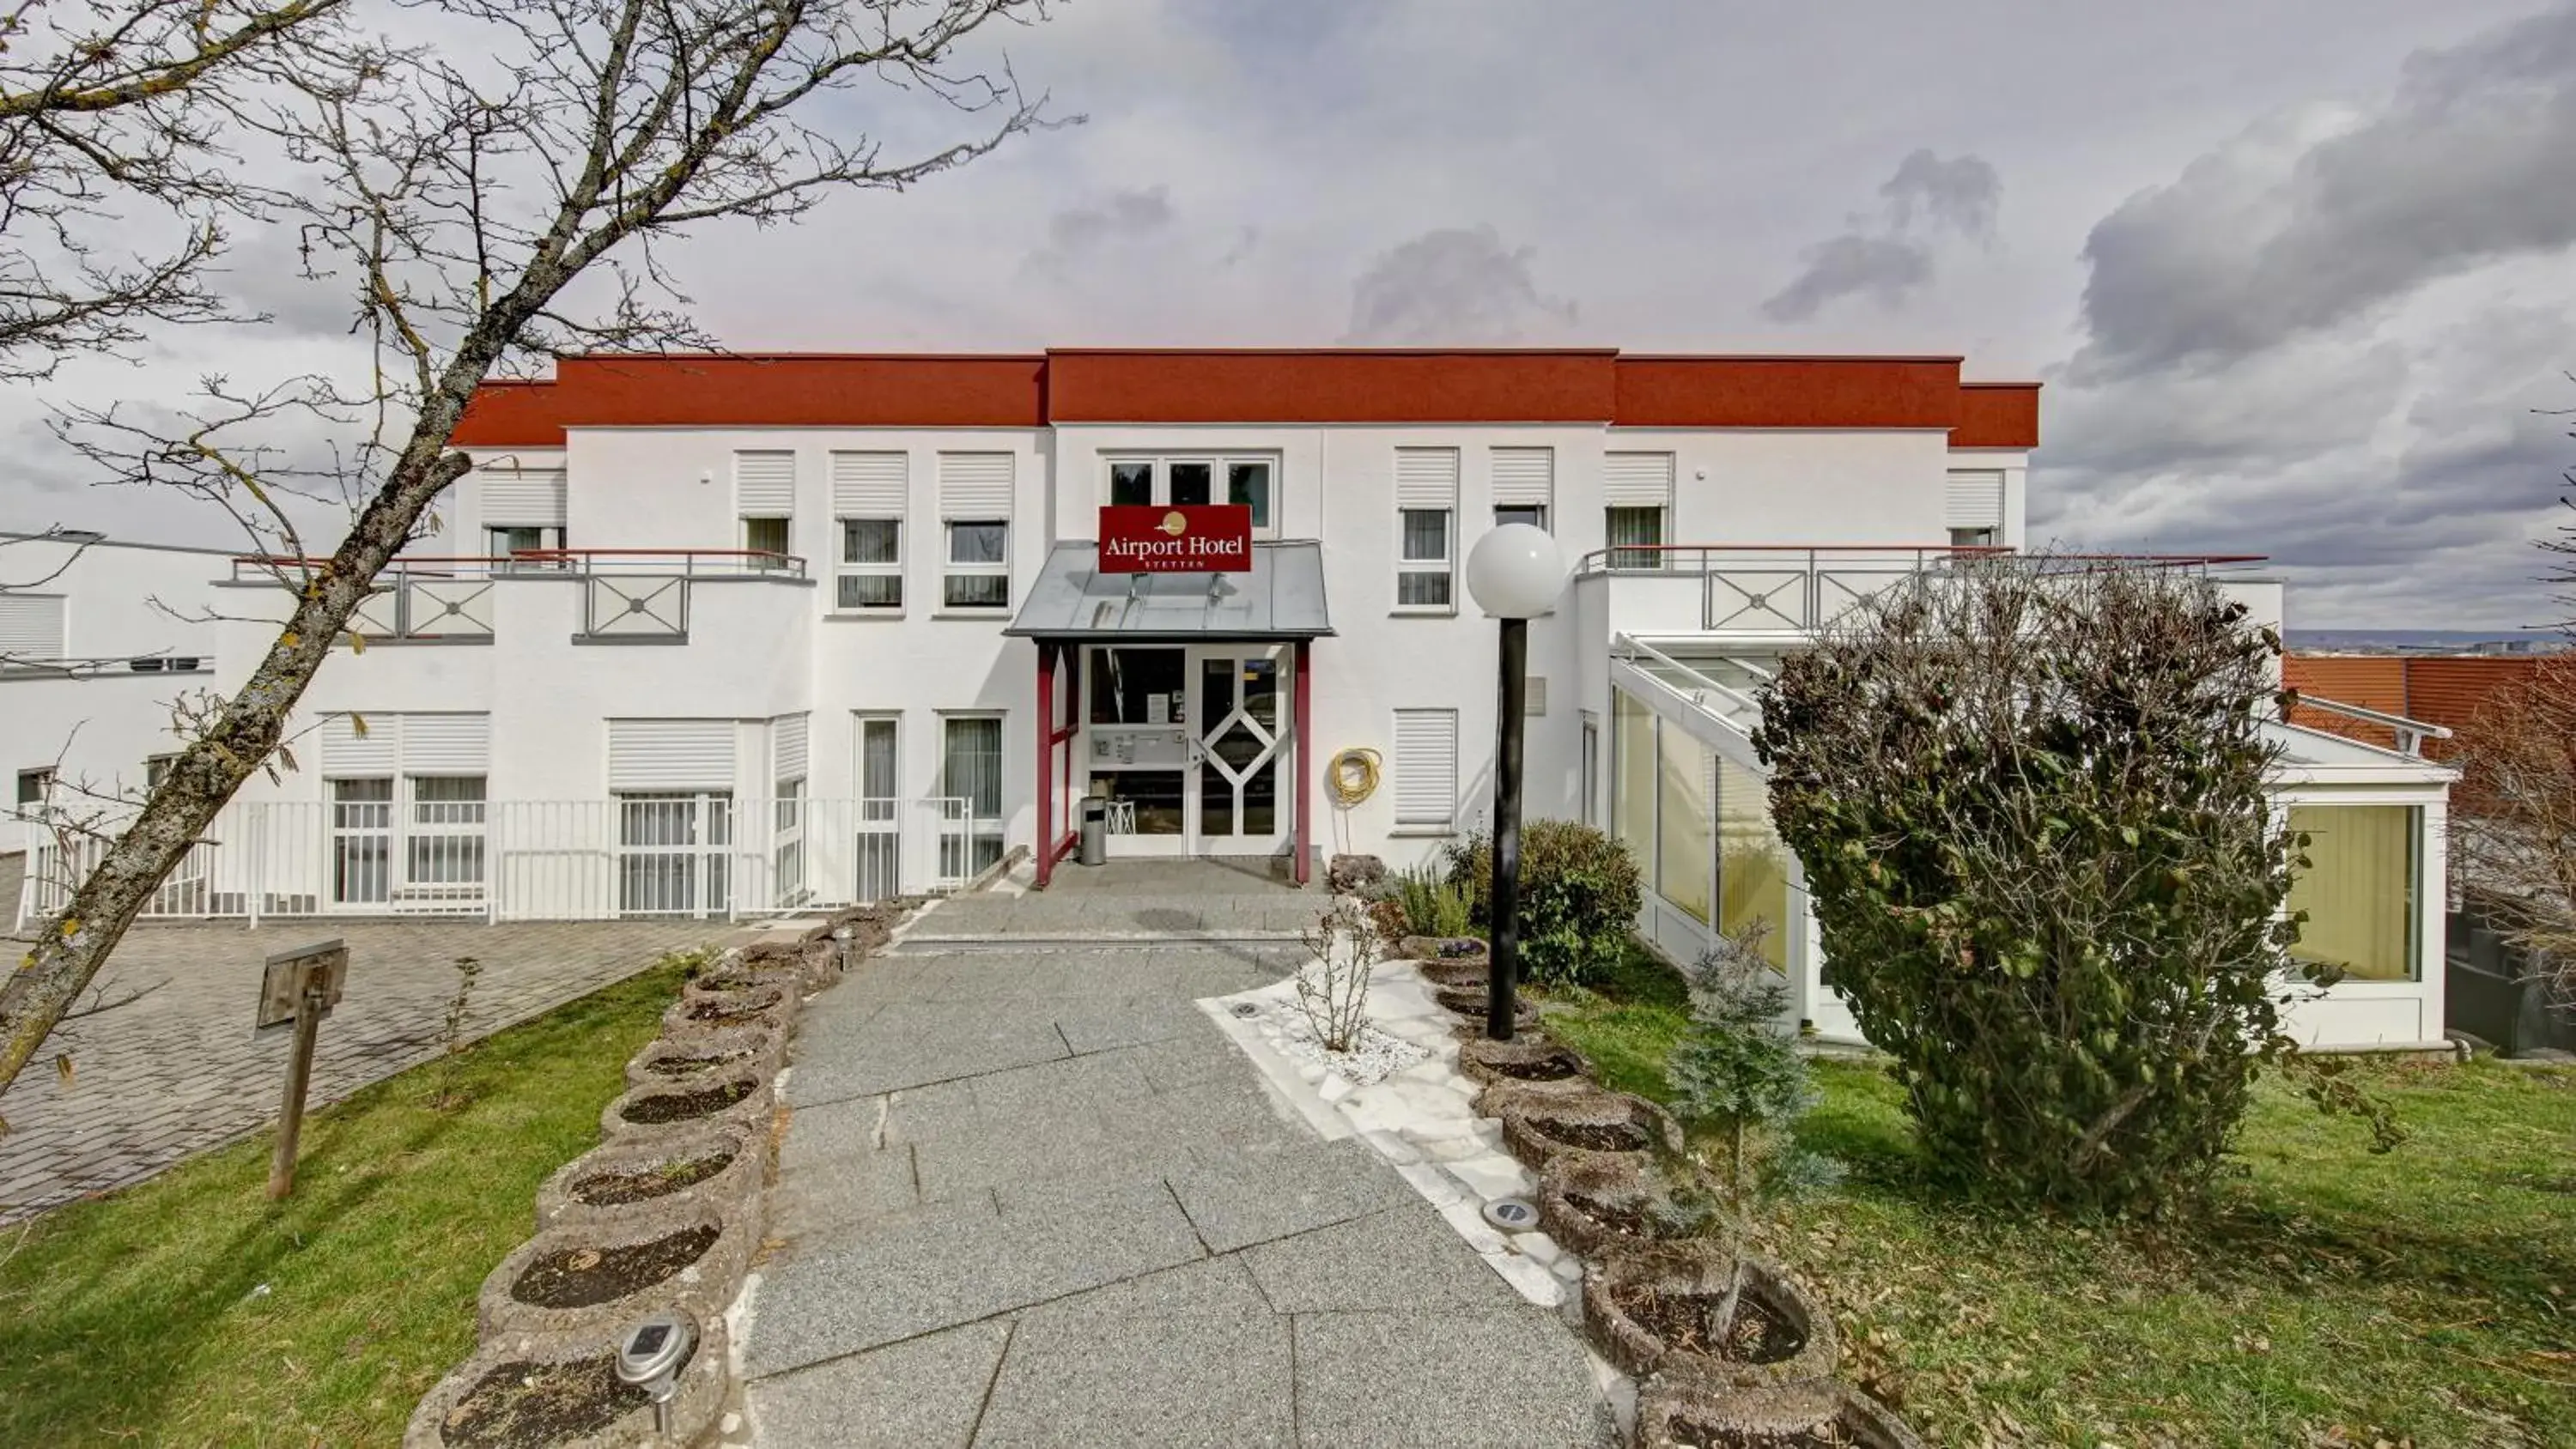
x=2297, y=274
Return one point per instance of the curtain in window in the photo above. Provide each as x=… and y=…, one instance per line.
x=972, y=770
x=1629, y=532
x=1686, y=854
x=2358, y=889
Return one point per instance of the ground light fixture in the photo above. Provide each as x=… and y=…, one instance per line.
x=1513, y=573
x=650, y=1355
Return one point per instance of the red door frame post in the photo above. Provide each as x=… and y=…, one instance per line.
x=1303, y=762
x=1046, y=762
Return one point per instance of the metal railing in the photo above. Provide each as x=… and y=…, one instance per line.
x=1772, y=589
x=548, y=562
x=2408, y=735
x=662, y=854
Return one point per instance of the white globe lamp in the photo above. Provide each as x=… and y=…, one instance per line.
x=1515, y=572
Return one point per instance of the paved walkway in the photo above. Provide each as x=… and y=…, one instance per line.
x=177, y=1071
x=1032, y=1196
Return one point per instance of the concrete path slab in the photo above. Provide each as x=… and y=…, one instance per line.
x=1030, y=1194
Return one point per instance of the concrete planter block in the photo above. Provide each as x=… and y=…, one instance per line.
x=1355, y=875
x=1677, y=1413
x=666, y=1062
x=704, y=1383
x=1446, y=960
x=648, y=1112
x=1537, y=1125
x=573, y=1195
x=696, y=1015
x=1573, y=1189
x=702, y=1286
x=1530, y=1061
x=1700, y=1270
x=748, y=968
x=1468, y=1004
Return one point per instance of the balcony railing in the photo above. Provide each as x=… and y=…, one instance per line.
x=626, y=593
x=1798, y=588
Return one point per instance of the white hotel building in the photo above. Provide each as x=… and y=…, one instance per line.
x=735, y=635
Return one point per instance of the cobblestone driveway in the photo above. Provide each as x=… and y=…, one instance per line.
x=178, y=1072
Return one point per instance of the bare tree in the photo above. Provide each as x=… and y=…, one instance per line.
x=107, y=104
x=2513, y=816
x=489, y=186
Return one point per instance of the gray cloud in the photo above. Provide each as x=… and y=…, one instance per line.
x=2305, y=223
x=1084, y=231
x=1456, y=286
x=1960, y=195
x=1852, y=265
x=1893, y=259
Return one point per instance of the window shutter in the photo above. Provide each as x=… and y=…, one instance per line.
x=870, y=485
x=31, y=627
x=1426, y=478
x=670, y=754
x=347, y=752
x=445, y=744
x=523, y=498
x=975, y=486
x=1534, y=696
x=787, y=748
x=1524, y=477
x=1637, y=480
x=1426, y=766
x=764, y=484
x=1975, y=500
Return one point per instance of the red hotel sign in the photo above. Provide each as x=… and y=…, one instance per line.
x=1213, y=538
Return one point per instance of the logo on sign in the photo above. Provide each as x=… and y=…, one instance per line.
x=1189, y=539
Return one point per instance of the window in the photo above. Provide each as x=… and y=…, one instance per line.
x=1426, y=769
x=518, y=539
x=1524, y=485
x=1973, y=503
x=970, y=773
x=1972, y=538
x=880, y=826
x=362, y=841
x=871, y=577
x=1426, y=512
x=35, y=787
x=157, y=769
x=1424, y=577
x=871, y=496
x=443, y=846
x=31, y=628
x=979, y=565
x=767, y=539
x=1634, y=534
x=1182, y=482
x=787, y=843
x=674, y=852
x=2358, y=889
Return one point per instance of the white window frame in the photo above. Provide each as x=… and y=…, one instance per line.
x=950, y=568
x=36, y=787
x=1422, y=824
x=1444, y=567
x=1973, y=537
x=1219, y=481
x=786, y=548
x=1631, y=558
x=997, y=826
x=1537, y=515
x=849, y=568
x=879, y=867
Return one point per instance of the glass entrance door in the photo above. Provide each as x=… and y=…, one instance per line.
x=1138, y=745
x=1241, y=733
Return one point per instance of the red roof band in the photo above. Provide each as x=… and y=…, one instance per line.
x=1173, y=385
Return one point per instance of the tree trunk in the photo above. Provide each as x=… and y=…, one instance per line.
x=73, y=946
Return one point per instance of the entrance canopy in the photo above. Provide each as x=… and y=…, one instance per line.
x=1282, y=597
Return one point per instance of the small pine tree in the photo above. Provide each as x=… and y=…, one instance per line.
x=1737, y=1076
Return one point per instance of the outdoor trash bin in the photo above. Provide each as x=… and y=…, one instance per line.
x=1095, y=830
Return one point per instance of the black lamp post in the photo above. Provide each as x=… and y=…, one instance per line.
x=1514, y=572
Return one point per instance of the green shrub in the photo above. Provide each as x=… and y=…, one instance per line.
x=1433, y=905
x=1579, y=898
x=2030, y=801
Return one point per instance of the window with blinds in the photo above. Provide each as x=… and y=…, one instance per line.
x=670, y=754
x=871, y=494
x=523, y=497
x=1426, y=768
x=1524, y=485
x=1426, y=512
x=764, y=483
x=975, y=517
x=1972, y=506
x=31, y=628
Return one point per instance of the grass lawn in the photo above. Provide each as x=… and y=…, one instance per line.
x=2424, y=1298
x=191, y=1310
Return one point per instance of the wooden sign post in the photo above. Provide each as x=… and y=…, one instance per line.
x=299, y=989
